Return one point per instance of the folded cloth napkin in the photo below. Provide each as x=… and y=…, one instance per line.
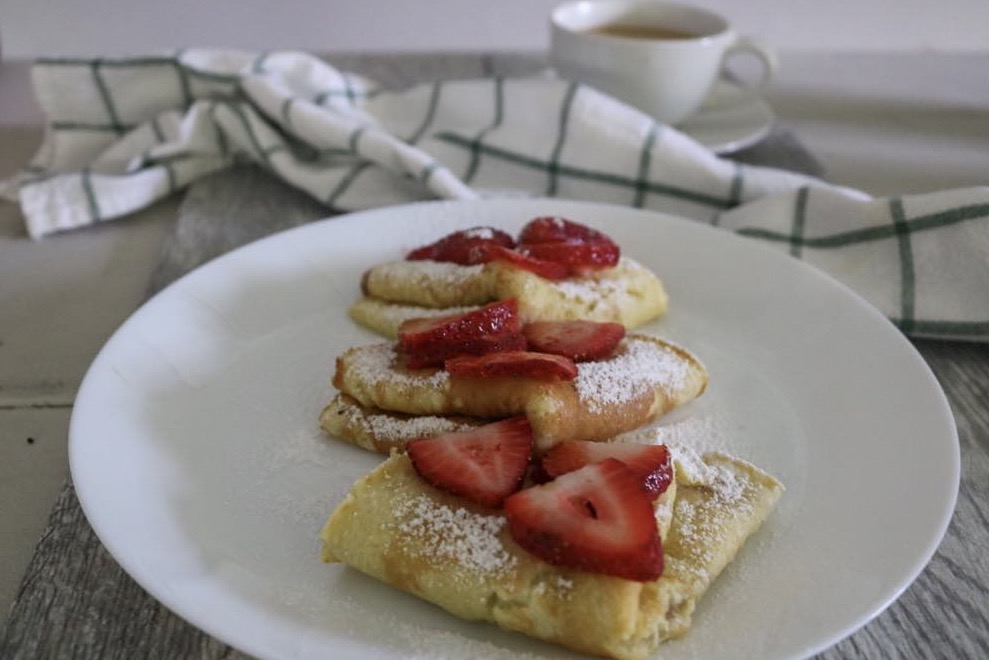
x=124, y=133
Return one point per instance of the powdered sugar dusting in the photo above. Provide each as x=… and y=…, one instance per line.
x=640, y=367
x=305, y=445
x=563, y=583
x=592, y=290
x=701, y=432
x=705, y=526
x=391, y=428
x=454, y=534
x=372, y=365
x=726, y=484
x=602, y=287
x=484, y=233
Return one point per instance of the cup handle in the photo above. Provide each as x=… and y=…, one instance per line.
x=766, y=55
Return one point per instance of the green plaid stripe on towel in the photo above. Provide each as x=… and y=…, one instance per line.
x=125, y=133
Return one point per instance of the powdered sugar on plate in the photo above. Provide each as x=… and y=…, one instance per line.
x=305, y=445
x=702, y=432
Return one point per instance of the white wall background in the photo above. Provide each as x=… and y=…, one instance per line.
x=30, y=28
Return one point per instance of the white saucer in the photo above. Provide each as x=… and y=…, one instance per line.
x=733, y=118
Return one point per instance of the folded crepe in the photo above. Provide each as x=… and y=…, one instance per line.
x=395, y=527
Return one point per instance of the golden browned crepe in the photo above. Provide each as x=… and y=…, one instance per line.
x=382, y=431
x=629, y=293
x=645, y=377
x=397, y=528
x=430, y=283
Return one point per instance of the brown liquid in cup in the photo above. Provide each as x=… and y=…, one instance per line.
x=655, y=32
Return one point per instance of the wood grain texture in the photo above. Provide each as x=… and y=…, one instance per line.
x=76, y=602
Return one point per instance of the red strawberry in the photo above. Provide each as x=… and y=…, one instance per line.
x=499, y=316
x=485, y=464
x=577, y=340
x=522, y=364
x=554, y=229
x=438, y=355
x=463, y=247
x=428, y=342
x=597, y=519
x=650, y=463
x=549, y=270
x=576, y=255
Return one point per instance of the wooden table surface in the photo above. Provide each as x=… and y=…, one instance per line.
x=75, y=601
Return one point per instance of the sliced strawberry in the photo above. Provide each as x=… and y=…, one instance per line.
x=499, y=316
x=463, y=247
x=429, y=342
x=596, y=519
x=576, y=255
x=485, y=464
x=437, y=356
x=550, y=270
x=651, y=464
x=578, y=340
x=522, y=364
x=554, y=229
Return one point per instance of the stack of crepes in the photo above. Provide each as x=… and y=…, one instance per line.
x=524, y=485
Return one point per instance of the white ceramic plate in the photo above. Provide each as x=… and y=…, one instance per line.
x=196, y=455
x=732, y=118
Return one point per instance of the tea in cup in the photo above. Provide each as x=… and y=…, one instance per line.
x=660, y=57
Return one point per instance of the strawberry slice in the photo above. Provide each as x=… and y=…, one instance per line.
x=576, y=255
x=554, y=229
x=596, y=519
x=499, y=316
x=465, y=247
x=485, y=465
x=520, y=364
x=438, y=355
x=429, y=342
x=578, y=340
x=549, y=270
x=651, y=464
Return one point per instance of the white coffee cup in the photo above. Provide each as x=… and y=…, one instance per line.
x=660, y=57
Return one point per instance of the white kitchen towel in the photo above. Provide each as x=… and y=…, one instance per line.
x=124, y=133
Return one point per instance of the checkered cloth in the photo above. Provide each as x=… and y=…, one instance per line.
x=125, y=133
